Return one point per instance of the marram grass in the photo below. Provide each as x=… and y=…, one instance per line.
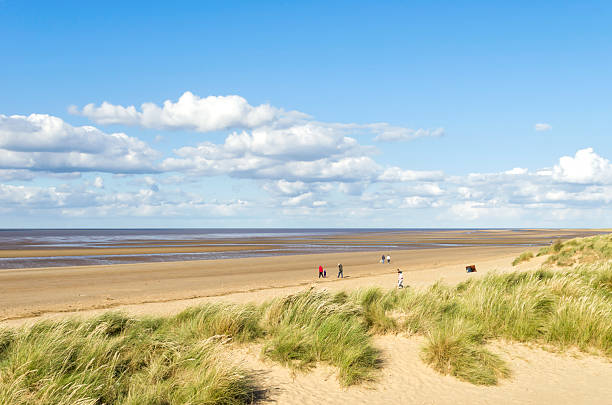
x=523, y=257
x=579, y=251
x=117, y=360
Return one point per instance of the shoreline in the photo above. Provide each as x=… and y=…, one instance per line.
x=29, y=292
x=170, y=287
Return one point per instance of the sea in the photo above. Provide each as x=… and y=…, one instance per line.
x=294, y=241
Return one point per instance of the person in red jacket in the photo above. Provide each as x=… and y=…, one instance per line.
x=320, y=271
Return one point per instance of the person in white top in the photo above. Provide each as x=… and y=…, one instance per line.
x=400, y=279
x=388, y=259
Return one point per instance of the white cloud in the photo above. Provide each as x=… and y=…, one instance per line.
x=216, y=113
x=99, y=182
x=541, y=127
x=285, y=187
x=212, y=113
x=12, y=175
x=302, y=199
x=517, y=171
x=308, y=141
x=393, y=174
x=77, y=200
x=585, y=167
x=23, y=196
x=415, y=202
x=305, y=153
x=388, y=133
x=44, y=142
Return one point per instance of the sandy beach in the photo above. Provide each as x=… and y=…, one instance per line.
x=31, y=292
x=539, y=376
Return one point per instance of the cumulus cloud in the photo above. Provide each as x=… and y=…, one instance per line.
x=212, y=113
x=415, y=202
x=517, y=171
x=585, y=167
x=542, y=127
x=394, y=174
x=307, y=153
x=78, y=200
x=23, y=196
x=308, y=141
x=216, y=113
x=44, y=142
x=285, y=187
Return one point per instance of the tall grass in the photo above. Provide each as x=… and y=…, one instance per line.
x=316, y=326
x=115, y=359
x=523, y=257
x=579, y=251
x=455, y=348
x=563, y=308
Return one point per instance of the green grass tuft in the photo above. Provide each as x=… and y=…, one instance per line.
x=523, y=257
x=455, y=348
x=317, y=326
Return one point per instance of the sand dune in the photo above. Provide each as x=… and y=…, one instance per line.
x=539, y=377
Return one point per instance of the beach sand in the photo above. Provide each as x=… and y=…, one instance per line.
x=539, y=376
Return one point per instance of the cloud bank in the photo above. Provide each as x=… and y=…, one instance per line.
x=300, y=168
x=44, y=142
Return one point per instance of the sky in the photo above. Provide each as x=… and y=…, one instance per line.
x=434, y=114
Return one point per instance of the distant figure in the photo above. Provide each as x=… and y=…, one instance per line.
x=324, y=273
x=400, y=279
x=388, y=259
x=320, y=271
x=382, y=260
x=340, y=271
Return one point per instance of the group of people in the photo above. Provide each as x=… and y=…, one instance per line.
x=400, y=275
x=323, y=272
x=382, y=259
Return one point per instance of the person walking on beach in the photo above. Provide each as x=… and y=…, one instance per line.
x=382, y=260
x=320, y=271
x=388, y=259
x=340, y=271
x=400, y=279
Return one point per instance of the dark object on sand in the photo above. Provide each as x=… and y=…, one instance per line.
x=470, y=269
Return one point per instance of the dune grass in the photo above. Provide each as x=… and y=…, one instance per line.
x=561, y=308
x=114, y=359
x=185, y=359
x=523, y=257
x=579, y=250
x=316, y=326
x=455, y=347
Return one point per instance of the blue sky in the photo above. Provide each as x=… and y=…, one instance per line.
x=339, y=114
